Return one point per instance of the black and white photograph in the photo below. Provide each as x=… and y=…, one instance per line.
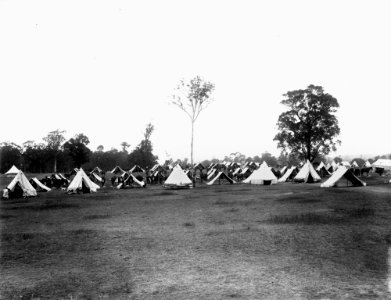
x=195, y=149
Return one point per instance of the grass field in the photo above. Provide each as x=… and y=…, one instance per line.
x=287, y=241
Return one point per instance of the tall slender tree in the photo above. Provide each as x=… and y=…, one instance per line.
x=193, y=97
x=54, y=141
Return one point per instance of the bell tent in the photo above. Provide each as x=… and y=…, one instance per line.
x=221, y=177
x=338, y=175
x=322, y=170
x=263, y=175
x=82, y=182
x=21, y=187
x=307, y=174
x=12, y=171
x=178, y=179
x=38, y=185
x=289, y=174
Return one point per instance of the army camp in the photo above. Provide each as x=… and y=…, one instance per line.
x=195, y=150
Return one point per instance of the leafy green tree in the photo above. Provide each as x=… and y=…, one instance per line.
x=54, y=141
x=309, y=127
x=35, y=157
x=269, y=159
x=193, y=97
x=337, y=159
x=359, y=161
x=77, y=149
x=143, y=154
x=10, y=154
x=125, y=146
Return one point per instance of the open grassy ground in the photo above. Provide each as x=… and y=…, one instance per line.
x=288, y=241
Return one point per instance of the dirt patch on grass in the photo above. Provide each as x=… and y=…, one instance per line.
x=298, y=199
x=44, y=206
x=5, y=216
x=189, y=224
x=306, y=218
x=97, y=217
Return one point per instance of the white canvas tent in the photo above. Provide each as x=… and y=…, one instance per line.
x=210, y=175
x=117, y=170
x=135, y=180
x=334, y=166
x=221, y=176
x=382, y=164
x=97, y=177
x=354, y=164
x=307, y=174
x=23, y=183
x=39, y=185
x=12, y=171
x=263, y=175
x=283, y=170
x=287, y=174
x=178, y=179
x=367, y=164
x=322, y=170
x=80, y=181
x=343, y=172
x=345, y=164
x=236, y=171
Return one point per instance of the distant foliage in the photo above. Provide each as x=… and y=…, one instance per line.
x=77, y=149
x=143, y=154
x=10, y=154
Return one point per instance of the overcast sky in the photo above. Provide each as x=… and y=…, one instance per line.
x=107, y=68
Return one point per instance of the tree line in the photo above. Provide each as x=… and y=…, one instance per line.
x=56, y=154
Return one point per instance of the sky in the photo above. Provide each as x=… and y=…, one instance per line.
x=108, y=68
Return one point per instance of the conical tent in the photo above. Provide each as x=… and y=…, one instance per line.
x=283, y=170
x=136, y=169
x=21, y=181
x=117, y=170
x=307, y=174
x=221, y=176
x=322, y=170
x=354, y=164
x=211, y=173
x=12, y=171
x=38, y=185
x=178, y=179
x=82, y=181
x=343, y=172
x=334, y=166
x=263, y=175
x=289, y=174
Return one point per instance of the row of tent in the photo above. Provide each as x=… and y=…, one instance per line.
x=264, y=176
x=28, y=188
x=179, y=179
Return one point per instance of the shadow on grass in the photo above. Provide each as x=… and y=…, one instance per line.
x=334, y=217
x=57, y=204
x=165, y=193
x=95, y=217
x=189, y=224
x=4, y=216
x=298, y=199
